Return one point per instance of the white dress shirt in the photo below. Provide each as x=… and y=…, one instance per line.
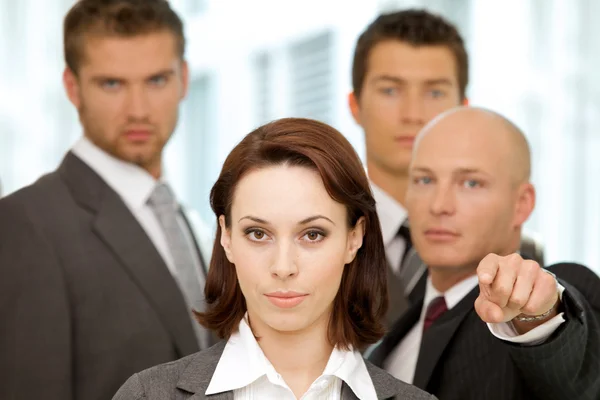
x=134, y=185
x=402, y=362
x=244, y=369
x=391, y=216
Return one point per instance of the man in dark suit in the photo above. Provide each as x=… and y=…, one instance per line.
x=496, y=326
x=99, y=269
x=408, y=67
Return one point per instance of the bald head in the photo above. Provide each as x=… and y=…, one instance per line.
x=469, y=193
x=488, y=131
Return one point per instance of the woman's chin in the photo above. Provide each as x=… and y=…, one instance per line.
x=286, y=323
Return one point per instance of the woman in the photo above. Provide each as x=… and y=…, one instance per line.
x=297, y=280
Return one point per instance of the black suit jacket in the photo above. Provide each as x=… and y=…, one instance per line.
x=85, y=298
x=401, y=296
x=460, y=359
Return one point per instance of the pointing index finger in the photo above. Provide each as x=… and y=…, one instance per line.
x=488, y=268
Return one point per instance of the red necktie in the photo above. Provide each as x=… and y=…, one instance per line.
x=436, y=309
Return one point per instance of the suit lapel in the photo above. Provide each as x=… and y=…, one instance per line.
x=396, y=334
x=347, y=393
x=401, y=326
x=386, y=386
x=197, y=375
x=437, y=337
x=398, y=303
x=120, y=231
x=418, y=292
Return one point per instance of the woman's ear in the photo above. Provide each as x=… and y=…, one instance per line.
x=355, y=240
x=225, y=238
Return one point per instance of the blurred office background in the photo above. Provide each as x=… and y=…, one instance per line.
x=535, y=61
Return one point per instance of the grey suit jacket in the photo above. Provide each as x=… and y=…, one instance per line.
x=85, y=298
x=189, y=378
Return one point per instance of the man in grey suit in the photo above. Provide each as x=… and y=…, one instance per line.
x=99, y=269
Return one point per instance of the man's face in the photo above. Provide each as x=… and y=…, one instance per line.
x=127, y=92
x=462, y=198
x=404, y=88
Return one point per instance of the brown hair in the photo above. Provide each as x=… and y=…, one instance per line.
x=116, y=18
x=418, y=28
x=361, y=301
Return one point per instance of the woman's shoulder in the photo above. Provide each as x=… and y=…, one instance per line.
x=388, y=387
x=191, y=373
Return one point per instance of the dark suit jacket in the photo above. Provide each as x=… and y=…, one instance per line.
x=85, y=298
x=461, y=360
x=189, y=378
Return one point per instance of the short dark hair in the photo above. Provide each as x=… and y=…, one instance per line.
x=116, y=18
x=416, y=27
x=361, y=302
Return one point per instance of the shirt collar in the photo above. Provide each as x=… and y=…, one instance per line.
x=391, y=213
x=132, y=183
x=243, y=362
x=452, y=296
x=349, y=366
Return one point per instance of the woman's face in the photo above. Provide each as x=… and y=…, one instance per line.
x=289, y=242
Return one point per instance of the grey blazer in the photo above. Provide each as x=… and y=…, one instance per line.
x=85, y=298
x=188, y=379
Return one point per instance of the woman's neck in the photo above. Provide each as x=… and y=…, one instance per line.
x=300, y=357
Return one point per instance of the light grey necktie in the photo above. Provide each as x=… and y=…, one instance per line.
x=185, y=257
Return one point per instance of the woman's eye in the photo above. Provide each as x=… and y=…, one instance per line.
x=256, y=235
x=314, y=236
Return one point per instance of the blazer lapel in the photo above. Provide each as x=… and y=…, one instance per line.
x=398, y=303
x=396, y=334
x=197, y=375
x=437, y=337
x=120, y=231
x=418, y=292
x=347, y=393
x=401, y=326
x=386, y=386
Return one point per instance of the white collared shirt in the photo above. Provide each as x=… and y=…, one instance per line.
x=391, y=216
x=402, y=362
x=133, y=184
x=244, y=369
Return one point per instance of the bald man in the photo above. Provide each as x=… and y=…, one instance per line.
x=488, y=324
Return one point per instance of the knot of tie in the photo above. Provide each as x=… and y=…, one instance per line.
x=436, y=309
x=162, y=195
